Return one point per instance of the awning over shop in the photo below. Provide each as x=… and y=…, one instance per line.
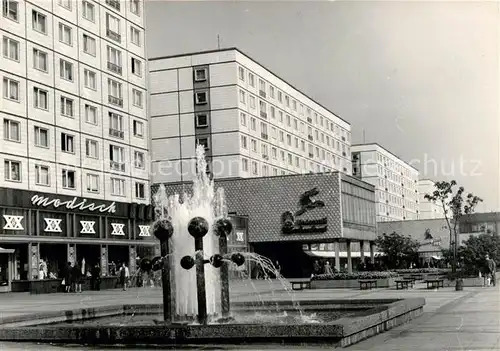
x=6, y=251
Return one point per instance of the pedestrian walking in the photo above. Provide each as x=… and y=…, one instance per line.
x=124, y=276
x=491, y=269
x=76, y=278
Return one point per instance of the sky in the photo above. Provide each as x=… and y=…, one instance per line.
x=421, y=78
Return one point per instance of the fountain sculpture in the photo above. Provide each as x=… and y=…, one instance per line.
x=200, y=221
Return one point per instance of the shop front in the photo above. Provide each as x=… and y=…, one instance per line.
x=287, y=215
x=45, y=232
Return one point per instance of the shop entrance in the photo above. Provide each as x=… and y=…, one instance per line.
x=117, y=255
x=6, y=269
x=54, y=257
x=89, y=255
x=20, y=263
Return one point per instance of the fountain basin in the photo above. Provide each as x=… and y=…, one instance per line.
x=350, y=322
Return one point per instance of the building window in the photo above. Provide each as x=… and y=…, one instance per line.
x=251, y=79
x=274, y=153
x=88, y=11
x=114, y=60
x=139, y=160
x=68, y=179
x=65, y=3
x=66, y=106
x=271, y=91
x=117, y=158
x=243, y=119
x=255, y=169
x=137, y=98
x=242, y=97
x=265, y=171
x=115, y=92
x=203, y=142
x=115, y=125
x=12, y=171
x=241, y=73
x=42, y=175
x=280, y=96
x=272, y=110
x=65, y=34
x=244, y=165
x=11, y=130
x=201, y=120
x=66, y=70
x=201, y=98
x=135, y=36
x=89, y=78
x=253, y=145
x=92, y=183
x=114, y=4
x=10, y=89
x=39, y=22
x=92, y=149
x=136, y=67
x=140, y=191
x=135, y=7
x=200, y=74
x=244, y=142
x=41, y=137
x=10, y=9
x=89, y=46
x=67, y=143
x=117, y=187
x=90, y=114
x=253, y=123
x=41, y=98
x=252, y=101
x=40, y=60
x=138, y=129
x=113, y=28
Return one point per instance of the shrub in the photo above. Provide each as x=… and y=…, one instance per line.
x=357, y=275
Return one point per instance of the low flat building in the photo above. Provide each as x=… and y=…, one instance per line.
x=290, y=217
x=433, y=235
x=480, y=223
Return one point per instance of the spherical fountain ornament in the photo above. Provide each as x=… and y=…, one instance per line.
x=187, y=262
x=223, y=226
x=238, y=258
x=146, y=265
x=216, y=260
x=163, y=229
x=157, y=263
x=198, y=227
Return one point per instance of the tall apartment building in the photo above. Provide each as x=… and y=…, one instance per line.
x=395, y=181
x=428, y=210
x=251, y=122
x=74, y=119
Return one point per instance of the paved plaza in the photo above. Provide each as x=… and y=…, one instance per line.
x=465, y=320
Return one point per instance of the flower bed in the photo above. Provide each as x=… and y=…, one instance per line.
x=346, y=280
x=421, y=270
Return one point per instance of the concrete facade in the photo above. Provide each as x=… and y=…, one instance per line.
x=428, y=209
x=395, y=181
x=73, y=105
x=252, y=122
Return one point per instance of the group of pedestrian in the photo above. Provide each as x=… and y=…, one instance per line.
x=73, y=278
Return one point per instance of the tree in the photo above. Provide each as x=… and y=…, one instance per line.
x=454, y=207
x=474, y=250
x=399, y=250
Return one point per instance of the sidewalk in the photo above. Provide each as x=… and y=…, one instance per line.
x=452, y=320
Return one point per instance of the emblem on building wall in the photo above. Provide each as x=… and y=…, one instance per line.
x=13, y=222
x=292, y=225
x=87, y=227
x=118, y=229
x=53, y=225
x=144, y=230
